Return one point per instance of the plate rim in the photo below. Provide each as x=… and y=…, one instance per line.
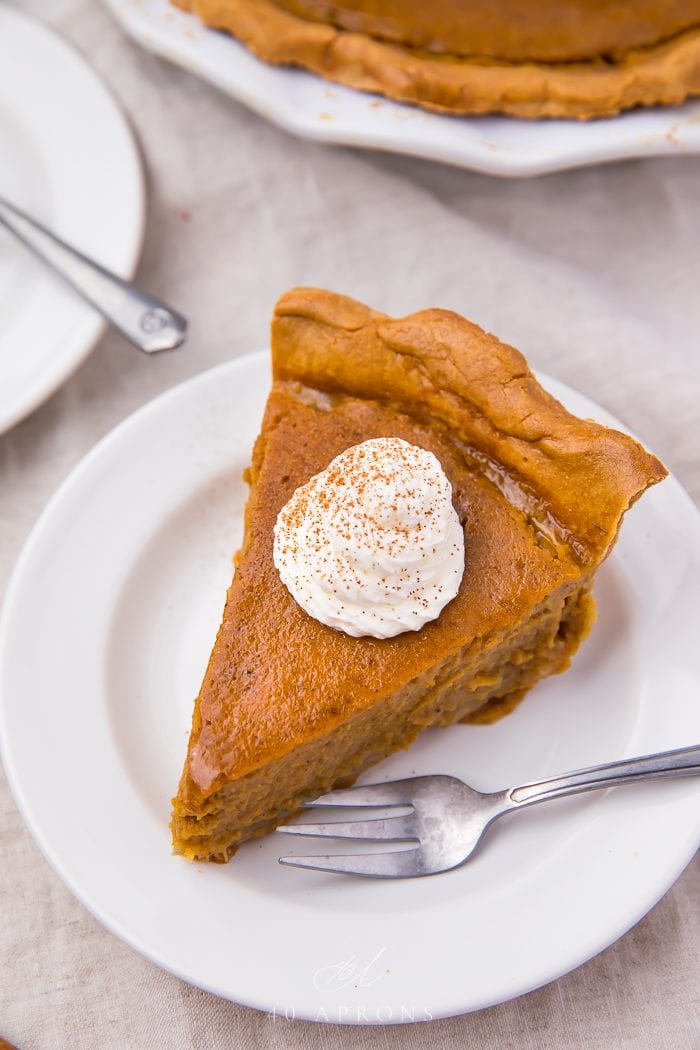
x=98, y=910
x=294, y=120
x=86, y=331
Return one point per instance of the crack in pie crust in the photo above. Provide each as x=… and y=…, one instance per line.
x=573, y=60
x=289, y=707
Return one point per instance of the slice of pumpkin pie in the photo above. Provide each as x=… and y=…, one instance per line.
x=421, y=536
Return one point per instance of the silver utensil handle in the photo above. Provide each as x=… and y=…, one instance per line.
x=146, y=322
x=684, y=762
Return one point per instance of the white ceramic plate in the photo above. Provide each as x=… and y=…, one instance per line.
x=309, y=106
x=107, y=628
x=69, y=160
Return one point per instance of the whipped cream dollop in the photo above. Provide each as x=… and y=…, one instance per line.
x=372, y=545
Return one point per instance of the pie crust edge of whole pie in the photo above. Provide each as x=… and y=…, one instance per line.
x=665, y=73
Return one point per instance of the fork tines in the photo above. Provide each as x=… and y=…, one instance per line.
x=401, y=828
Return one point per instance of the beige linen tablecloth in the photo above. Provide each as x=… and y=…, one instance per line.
x=595, y=274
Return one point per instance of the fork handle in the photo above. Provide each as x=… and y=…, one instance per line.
x=681, y=763
x=146, y=322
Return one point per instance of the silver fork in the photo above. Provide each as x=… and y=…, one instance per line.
x=145, y=321
x=448, y=818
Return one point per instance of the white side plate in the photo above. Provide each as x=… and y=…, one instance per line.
x=313, y=108
x=107, y=627
x=69, y=160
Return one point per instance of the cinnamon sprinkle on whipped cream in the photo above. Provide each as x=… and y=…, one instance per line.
x=372, y=545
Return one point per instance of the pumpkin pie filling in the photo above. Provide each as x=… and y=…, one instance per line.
x=290, y=707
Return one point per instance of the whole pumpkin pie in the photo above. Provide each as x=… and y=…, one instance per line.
x=527, y=58
x=291, y=707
